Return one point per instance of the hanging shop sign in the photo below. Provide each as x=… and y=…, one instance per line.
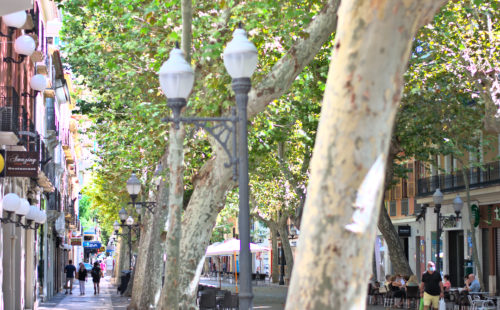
x=92, y=244
x=76, y=241
x=404, y=231
x=2, y=163
x=21, y=164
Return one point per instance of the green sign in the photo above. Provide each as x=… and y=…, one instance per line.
x=475, y=214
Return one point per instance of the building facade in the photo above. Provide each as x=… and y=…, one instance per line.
x=36, y=124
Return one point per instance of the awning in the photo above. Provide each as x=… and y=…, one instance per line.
x=230, y=247
x=11, y=6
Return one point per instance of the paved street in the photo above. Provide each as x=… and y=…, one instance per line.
x=267, y=296
x=107, y=299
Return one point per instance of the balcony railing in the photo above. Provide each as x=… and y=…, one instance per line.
x=486, y=175
x=9, y=109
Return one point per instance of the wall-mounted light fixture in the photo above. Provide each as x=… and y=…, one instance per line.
x=24, y=46
x=12, y=204
x=38, y=83
x=13, y=21
x=62, y=91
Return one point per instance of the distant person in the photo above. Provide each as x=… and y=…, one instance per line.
x=472, y=284
x=70, y=270
x=446, y=283
x=109, y=265
x=412, y=281
x=103, y=267
x=431, y=288
x=82, y=278
x=96, y=274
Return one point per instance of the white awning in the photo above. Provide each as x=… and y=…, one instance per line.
x=232, y=246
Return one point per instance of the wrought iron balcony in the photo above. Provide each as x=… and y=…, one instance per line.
x=478, y=177
x=9, y=109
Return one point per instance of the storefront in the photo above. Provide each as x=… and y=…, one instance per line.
x=488, y=221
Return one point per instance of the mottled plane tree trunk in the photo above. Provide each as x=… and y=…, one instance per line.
x=362, y=95
x=213, y=181
x=149, y=269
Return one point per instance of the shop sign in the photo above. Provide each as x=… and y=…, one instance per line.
x=404, y=231
x=92, y=244
x=2, y=163
x=76, y=241
x=21, y=164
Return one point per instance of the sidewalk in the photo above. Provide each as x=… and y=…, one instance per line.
x=107, y=299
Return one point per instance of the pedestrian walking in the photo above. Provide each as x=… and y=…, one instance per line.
x=70, y=270
x=103, y=266
x=96, y=274
x=431, y=288
x=82, y=278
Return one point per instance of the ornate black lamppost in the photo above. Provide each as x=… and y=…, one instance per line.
x=127, y=221
x=176, y=80
x=437, y=197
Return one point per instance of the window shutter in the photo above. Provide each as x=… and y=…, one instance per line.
x=411, y=180
x=399, y=190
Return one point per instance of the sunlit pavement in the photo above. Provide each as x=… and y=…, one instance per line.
x=107, y=299
x=266, y=297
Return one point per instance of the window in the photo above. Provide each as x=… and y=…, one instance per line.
x=404, y=207
x=392, y=208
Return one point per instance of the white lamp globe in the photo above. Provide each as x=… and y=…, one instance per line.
x=11, y=202
x=41, y=218
x=24, y=208
x=437, y=197
x=33, y=213
x=130, y=221
x=133, y=185
x=240, y=56
x=116, y=225
x=24, y=45
x=458, y=204
x=176, y=76
x=16, y=19
x=38, y=82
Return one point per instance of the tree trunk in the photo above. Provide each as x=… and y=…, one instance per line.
x=214, y=180
x=207, y=200
x=396, y=253
x=362, y=95
x=147, y=282
x=283, y=230
x=475, y=255
x=170, y=293
x=275, y=273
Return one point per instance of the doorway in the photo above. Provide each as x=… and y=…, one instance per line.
x=456, y=257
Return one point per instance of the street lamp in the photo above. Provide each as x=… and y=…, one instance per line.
x=133, y=189
x=13, y=21
x=438, y=197
x=127, y=221
x=176, y=80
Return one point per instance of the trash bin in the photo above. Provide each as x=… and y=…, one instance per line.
x=125, y=277
x=468, y=267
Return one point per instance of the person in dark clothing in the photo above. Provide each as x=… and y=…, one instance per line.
x=69, y=270
x=96, y=274
x=82, y=278
x=431, y=288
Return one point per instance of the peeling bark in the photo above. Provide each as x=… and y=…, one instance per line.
x=362, y=96
x=147, y=286
x=214, y=180
x=396, y=251
x=169, y=295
